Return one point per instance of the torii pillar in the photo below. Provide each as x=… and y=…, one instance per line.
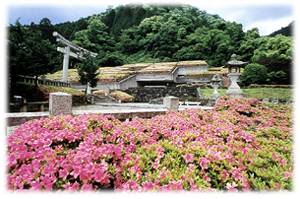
x=66, y=63
x=68, y=50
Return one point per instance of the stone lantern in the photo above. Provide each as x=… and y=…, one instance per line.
x=234, y=72
x=215, y=83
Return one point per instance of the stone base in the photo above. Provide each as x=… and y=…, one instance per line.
x=235, y=93
x=171, y=103
x=234, y=90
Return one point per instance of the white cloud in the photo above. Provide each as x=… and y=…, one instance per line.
x=270, y=25
x=263, y=17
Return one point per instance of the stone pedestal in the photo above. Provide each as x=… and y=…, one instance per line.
x=172, y=103
x=88, y=89
x=90, y=99
x=60, y=103
x=215, y=94
x=234, y=90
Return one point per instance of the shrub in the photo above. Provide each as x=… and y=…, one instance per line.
x=277, y=77
x=122, y=96
x=254, y=74
x=100, y=93
x=188, y=150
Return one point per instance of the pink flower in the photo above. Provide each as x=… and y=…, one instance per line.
x=287, y=175
x=236, y=174
x=87, y=187
x=244, y=150
x=84, y=175
x=131, y=185
x=48, y=183
x=36, y=185
x=188, y=157
x=283, y=161
x=206, y=178
x=94, y=151
x=148, y=186
x=231, y=187
x=72, y=187
x=224, y=175
x=193, y=185
x=63, y=173
x=76, y=171
x=204, y=163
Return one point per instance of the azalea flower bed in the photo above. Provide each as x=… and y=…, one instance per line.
x=242, y=144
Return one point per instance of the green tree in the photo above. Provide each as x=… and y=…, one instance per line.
x=214, y=45
x=249, y=44
x=276, y=54
x=29, y=53
x=254, y=74
x=277, y=77
x=97, y=39
x=88, y=71
x=236, y=33
x=112, y=59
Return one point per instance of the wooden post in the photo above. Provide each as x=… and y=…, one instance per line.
x=42, y=107
x=23, y=108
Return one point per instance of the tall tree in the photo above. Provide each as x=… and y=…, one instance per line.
x=276, y=54
x=249, y=44
x=29, y=53
x=97, y=39
x=88, y=71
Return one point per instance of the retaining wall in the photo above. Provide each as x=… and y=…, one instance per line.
x=146, y=94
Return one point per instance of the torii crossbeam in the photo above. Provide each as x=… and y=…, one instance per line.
x=68, y=50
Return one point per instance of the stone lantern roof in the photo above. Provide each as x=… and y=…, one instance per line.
x=234, y=63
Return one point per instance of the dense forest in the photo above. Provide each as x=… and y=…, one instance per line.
x=152, y=33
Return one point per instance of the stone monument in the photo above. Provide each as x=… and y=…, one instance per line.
x=171, y=103
x=234, y=70
x=60, y=103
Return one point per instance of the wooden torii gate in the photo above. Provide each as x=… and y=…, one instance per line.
x=68, y=50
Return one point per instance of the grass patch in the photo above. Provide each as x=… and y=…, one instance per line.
x=259, y=93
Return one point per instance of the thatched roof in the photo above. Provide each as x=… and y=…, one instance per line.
x=163, y=67
x=192, y=63
x=118, y=73
x=167, y=67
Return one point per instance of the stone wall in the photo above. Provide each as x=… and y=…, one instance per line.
x=145, y=94
x=16, y=119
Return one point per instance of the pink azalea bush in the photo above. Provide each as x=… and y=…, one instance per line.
x=241, y=145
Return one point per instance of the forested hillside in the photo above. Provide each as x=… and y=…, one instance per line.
x=286, y=31
x=148, y=33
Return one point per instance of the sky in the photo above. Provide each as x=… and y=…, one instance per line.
x=267, y=17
